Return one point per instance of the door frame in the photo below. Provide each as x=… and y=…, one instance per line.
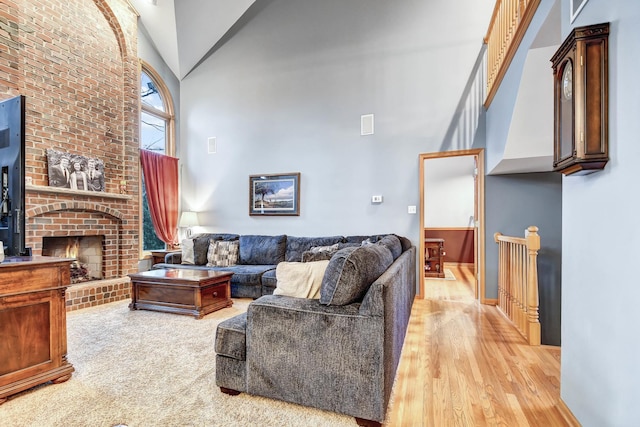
x=479, y=241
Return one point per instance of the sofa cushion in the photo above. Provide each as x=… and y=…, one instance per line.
x=231, y=338
x=359, y=239
x=269, y=282
x=262, y=250
x=300, y=279
x=351, y=271
x=296, y=246
x=201, y=244
x=222, y=253
x=187, y=251
x=406, y=243
x=392, y=243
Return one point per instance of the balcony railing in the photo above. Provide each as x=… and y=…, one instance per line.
x=509, y=22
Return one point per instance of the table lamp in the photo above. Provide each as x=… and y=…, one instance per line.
x=188, y=219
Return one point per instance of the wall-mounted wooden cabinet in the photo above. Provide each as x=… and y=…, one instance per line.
x=581, y=101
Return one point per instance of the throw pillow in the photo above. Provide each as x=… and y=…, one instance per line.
x=187, y=251
x=222, y=253
x=351, y=271
x=330, y=248
x=320, y=253
x=300, y=279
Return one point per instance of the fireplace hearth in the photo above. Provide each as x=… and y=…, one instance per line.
x=86, y=251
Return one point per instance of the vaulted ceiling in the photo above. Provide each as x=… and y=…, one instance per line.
x=185, y=31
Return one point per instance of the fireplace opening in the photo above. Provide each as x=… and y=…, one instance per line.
x=86, y=251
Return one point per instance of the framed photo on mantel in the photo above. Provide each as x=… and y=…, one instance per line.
x=274, y=194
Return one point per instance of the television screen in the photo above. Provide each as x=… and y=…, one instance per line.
x=12, y=229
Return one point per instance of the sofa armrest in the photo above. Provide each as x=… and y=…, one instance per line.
x=329, y=357
x=173, y=258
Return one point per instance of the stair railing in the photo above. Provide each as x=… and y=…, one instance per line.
x=509, y=22
x=518, y=282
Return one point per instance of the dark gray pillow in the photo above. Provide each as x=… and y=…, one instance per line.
x=351, y=271
x=406, y=243
x=262, y=250
x=393, y=244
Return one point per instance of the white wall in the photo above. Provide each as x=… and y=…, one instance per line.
x=449, y=192
x=600, y=291
x=286, y=93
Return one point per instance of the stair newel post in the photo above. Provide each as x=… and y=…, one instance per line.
x=533, y=245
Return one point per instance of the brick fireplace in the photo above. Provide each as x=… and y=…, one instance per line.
x=76, y=63
x=56, y=216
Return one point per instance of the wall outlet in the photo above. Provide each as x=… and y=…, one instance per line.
x=411, y=209
x=376, y=199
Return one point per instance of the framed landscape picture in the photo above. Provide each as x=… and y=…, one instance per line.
x=274, y=194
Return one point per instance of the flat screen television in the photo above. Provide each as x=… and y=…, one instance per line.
x=12, y=153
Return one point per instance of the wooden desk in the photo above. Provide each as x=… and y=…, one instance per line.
x=33, y=323
x=181, y=291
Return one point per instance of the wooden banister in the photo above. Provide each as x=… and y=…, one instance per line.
x=518, y=282
x=509, y=22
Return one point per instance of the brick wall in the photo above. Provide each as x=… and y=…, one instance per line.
x=76, y=63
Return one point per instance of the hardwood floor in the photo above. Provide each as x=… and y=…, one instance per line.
x=463, y=364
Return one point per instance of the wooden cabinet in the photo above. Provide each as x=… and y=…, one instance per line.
x=434, y=258
x=33, y=323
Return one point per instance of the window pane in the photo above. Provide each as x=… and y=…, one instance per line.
x=149, y=93
x=153, y=131
x=150, y=241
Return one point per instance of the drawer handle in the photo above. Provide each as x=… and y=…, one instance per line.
x=215, y=294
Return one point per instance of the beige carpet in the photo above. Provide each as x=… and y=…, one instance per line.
x=143, y=368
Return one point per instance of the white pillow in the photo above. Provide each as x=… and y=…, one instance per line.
x=300, y=279
x=187, y=251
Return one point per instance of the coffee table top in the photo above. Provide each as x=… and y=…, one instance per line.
x=180, y=274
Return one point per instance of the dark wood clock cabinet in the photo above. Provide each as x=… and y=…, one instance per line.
x=581, y=101
x=33, y=331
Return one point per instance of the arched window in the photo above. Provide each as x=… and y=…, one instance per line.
x=156, y=134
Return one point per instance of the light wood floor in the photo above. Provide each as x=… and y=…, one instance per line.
x=463, y=364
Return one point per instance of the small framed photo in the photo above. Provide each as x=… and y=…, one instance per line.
x=576, y=7
x=274, y=194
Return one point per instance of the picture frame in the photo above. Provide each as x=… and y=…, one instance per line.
x=576, y=8
x=274, y=194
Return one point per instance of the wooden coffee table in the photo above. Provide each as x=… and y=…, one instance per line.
x=182, y=291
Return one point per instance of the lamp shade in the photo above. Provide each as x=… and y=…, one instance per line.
x=188, y=219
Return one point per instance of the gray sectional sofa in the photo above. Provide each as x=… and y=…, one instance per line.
x=338, y=353
x=255, y=273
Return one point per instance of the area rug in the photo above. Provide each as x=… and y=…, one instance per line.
x=143, y=368
x=448, y=275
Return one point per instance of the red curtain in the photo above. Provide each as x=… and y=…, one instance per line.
x=161, y=183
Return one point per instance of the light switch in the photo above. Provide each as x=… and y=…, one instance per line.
x=411, y=209
x=376, y=199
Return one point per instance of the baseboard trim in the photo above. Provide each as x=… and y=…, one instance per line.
x=567, y=414
x=490, y=301
x=458, y=264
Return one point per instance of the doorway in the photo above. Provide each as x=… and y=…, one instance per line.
x=465, y=168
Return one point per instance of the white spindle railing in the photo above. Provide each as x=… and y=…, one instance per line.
x=509, y=22
x=518, y=282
